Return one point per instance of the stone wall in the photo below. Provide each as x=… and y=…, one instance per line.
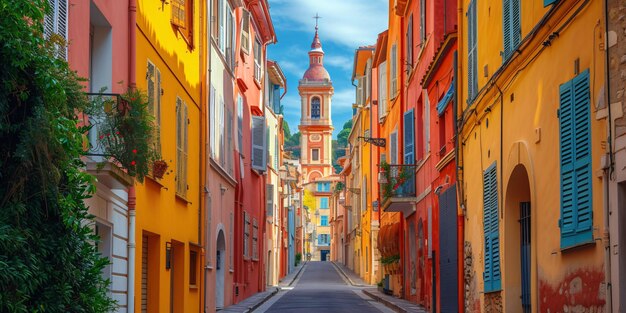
x=617, y=59
x=472, y=301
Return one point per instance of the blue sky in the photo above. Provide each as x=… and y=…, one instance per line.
x=345, y=25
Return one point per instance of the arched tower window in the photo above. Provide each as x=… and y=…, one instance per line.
x=315, y=108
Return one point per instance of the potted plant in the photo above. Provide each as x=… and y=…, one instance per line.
x=125, y=130
x=159, y=167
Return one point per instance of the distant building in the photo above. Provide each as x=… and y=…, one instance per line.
x=316, y=91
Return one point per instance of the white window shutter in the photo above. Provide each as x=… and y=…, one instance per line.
x=212, y=119
x=259, y=155
x=179, y=146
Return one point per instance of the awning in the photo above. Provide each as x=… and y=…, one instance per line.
x=389, y=240
x=441, y=106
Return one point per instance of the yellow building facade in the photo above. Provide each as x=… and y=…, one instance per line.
x=531, y=154
x=168, y=230
x=363, y=78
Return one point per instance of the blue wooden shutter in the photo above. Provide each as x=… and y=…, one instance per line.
x=548, y=2
x=575, y=152
x=409, y=137
x=511, y=26
x=491, y=275
x=506, y=27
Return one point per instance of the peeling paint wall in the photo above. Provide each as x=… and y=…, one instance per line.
x=579, y=291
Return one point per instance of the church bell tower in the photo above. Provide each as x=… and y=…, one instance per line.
x=316, y=92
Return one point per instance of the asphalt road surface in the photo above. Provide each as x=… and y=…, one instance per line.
x=320, y=288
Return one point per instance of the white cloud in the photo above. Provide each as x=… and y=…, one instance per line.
x=351, y=23
x=343, y=99
x=339, y=61
x=295, y=68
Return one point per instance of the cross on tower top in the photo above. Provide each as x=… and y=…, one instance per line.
x=316, y=17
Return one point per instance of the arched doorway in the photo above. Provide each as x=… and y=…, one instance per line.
x=220, y=269
x=517, y=226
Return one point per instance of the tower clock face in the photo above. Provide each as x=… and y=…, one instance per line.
x=315, y=138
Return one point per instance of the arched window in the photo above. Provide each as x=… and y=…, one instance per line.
x=315, y=108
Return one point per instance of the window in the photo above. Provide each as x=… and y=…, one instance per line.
x=426, y=122
x=246, y=235
x=382, y=89
x=359, y=93
x=104, y=245
x=245, y=31
x=182, y=18
x=257, y=60
x=269, y=195
x=442, y=134
x=491, y=274
x=193, y=268
x=409, y=44
x=229, y=142
x=259, y=144
x=576, y=220
x=324, y=200
x=255, y=239
x=153, y=78
x=323, y=187
x=181, y=147
x=324, y=220
x=422, y=22
x=512, y=26
x=323, y=239
x=409, y=137
x=315, y=108
x=472, y=53
x=55, y=23
x=315, y=154
x=394, y=71
x=240, y=124
x=224, y=30
x=393, y=148
x=368, y=82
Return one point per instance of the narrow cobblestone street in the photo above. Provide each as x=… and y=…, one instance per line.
x=320, y=288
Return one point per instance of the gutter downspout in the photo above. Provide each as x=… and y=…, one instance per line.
x=207, y=218
x=457, y=154
x=131, y=249
x=608, y=171
x=132, y=22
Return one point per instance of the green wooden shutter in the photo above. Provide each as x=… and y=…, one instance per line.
x=575, y=155
x=491, y=275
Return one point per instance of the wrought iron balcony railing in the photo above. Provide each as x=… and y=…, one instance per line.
x=397, y=180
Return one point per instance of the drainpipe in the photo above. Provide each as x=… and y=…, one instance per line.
x=207, y=218
x=131, y=249
x=608, y=171
x=132, y=21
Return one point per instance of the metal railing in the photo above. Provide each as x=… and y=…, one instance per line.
x=397, y=180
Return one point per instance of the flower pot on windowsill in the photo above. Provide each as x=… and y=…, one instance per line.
x=159, y=167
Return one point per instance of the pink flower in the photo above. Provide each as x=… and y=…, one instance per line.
x=135, y=151
x=132, y=163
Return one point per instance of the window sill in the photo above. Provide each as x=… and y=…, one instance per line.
x=257, y=82
x=182, y=198
x=156, y=181
x=578, y=246
x=193, y=287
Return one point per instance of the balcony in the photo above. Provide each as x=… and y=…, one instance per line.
x=99, y=163
x=397, y=182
